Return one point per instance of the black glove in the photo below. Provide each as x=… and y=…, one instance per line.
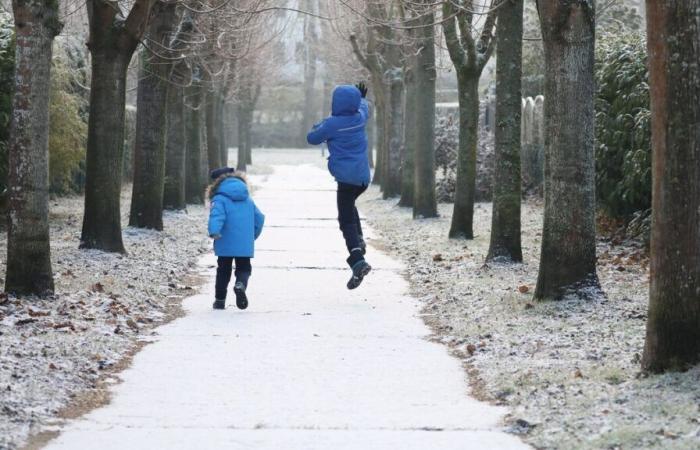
x=363, y=88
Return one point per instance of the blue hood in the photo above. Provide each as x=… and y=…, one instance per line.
x=346, y=100
x=234, y=189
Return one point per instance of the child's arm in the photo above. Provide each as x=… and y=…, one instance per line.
x=318, y=134
x=217, y=217
x=364, y=109
x=259, y=222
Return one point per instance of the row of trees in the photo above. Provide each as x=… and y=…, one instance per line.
x=397, y=46
x=198, y=65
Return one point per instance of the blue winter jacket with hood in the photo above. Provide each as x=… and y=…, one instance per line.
x=344, y=131
x=234, y=217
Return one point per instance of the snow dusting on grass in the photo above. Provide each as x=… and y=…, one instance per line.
x=55, y=349
x=569, y=370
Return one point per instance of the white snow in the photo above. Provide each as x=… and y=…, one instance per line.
x=309, y=365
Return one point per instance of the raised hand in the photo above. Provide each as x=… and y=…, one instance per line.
x=363, y=88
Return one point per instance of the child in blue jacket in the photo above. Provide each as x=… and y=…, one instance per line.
x=344, y=132
x=234, y=223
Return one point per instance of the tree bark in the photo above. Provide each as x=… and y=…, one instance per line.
x=469, y=59
x=112, y=43
x=194, y=183
x=212, y=127
x=174, y=196
x=568, y=257
x=381, y=135
x=223, y=145
x=244, y=124
x=425, y=201
x=462, y=225
x=410, y=127
x=28, y=243
x=392, y=182
x=309, y=108
x=673, y=326
x=371, y=126
x=505, y=221
x=151, y=130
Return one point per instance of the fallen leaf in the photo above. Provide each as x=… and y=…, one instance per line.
x=471, y=348
x=437, y=257
x=24, y=322
x=524, y=289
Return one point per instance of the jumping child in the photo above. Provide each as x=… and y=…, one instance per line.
x=344, y=132
x=234, y=224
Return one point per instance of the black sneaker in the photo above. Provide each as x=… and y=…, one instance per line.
x=219, y=304
x=241, y=298
x=359, y=272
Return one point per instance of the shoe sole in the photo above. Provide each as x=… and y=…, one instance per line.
x=241, y=298
x=361, y=276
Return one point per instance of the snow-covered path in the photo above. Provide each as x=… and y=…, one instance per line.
x=309, y=365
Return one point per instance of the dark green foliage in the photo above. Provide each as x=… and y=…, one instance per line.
x=67, y=133
x=68, y=111
x=623, y=133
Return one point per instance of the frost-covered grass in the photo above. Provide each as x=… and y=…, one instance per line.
x=569, y=369
x=52, y=350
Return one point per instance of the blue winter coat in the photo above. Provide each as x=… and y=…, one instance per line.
x=235, y=218
x=344, y=131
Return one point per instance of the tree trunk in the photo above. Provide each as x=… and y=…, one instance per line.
x=381, y=134
x=175, y=152
x=149, y=148
x=105, y=149
x=392, y=181
x=505, y=220
x=194, y=183
x=249, y=139
x=425, y=201
x=243, y=137
x=309, y=108
x=568, y=258
x=371, y=126
x=28, y=243
x=463, y=214
x=213, y=136
x=673, y=327
x=223, y=145
x=410, y=127
x=112, y=43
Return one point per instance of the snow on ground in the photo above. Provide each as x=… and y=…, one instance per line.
x=569, y=370
x=309, y=365
x=53, y=350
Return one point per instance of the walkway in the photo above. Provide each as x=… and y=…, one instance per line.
x=309, y=365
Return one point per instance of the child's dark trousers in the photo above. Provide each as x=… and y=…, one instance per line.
x=349, y=219
x=223, y=274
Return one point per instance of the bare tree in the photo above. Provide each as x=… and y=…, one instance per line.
x=505, y=223
x=568, y=258
x=469, y=55
x=180, y=76
x=28, y=246
x=149, y=145
x=673, y=327
x=113, y=39
x=382, y=57
x=425, y=201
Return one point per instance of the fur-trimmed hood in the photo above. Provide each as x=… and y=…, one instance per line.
x=230, y=185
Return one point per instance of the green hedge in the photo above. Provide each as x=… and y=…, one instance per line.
x=68, y=107
x=623, y=133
